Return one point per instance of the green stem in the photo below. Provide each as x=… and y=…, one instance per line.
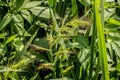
x=74, y=9
x=92, y=48
x=101, y=39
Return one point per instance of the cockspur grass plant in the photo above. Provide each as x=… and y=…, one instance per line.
x=59, y=40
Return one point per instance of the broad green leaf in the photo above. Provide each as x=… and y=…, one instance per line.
x=110, y=27
x=10, y=39
x=109, y=12
x=84, y=56
x=116, y=48
x=82, y=40
x=117, y=42
x=41, y=42
x=18, y=22
x=32, y=4
x=41, y=12
x=113, y=36
x=26, y=14
x=19, y=5
x=109, y=46
x=18, y=44
x=5, y=21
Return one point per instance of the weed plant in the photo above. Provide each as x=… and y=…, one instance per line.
x=59, y=40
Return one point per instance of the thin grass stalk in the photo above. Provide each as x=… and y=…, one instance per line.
x=58, y=32
x=61, y=40
x=95, y=77
x=79, y=71
x=62, y=7
x=101, y=40
x=94, y=30
x=74, y=9
x=59, y=7
x=53, y=4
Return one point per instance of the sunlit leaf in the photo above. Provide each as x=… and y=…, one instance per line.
x=41, y=12
x=113, y=21
x=67, y=69
x=10, y=38
x=32, y=4
x=26, y=14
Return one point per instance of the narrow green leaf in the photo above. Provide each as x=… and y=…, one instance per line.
x=30, y=41
x=39, y=48
x=113, y=21
x=10, y=39
x=34, y=77
x=67, y=69
x=101, y=39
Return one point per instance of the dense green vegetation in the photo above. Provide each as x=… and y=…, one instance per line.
x=59, y=39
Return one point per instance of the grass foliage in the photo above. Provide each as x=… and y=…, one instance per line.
x=59, y=40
